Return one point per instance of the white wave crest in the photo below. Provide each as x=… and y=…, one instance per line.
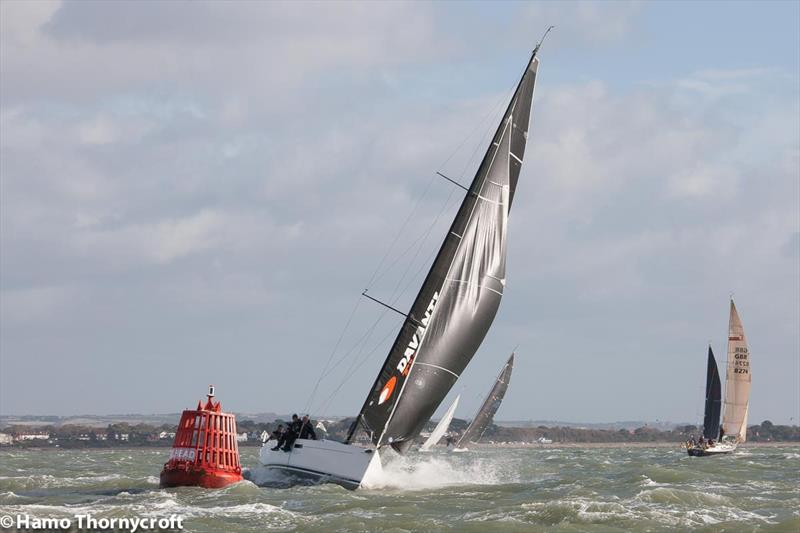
x=421, y=473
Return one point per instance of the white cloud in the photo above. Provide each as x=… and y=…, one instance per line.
x=107, y=129
x=705, y=180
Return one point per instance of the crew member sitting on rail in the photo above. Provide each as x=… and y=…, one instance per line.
x=276, y=435
x=307, y=429
x=291, y=433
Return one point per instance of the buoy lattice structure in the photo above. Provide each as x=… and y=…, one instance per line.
x=205, y=452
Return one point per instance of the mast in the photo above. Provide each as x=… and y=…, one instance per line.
x=738, y=379
x=461, y=292
x=713, y=398
x=489, y=408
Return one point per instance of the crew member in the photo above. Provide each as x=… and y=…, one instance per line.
x=291, y=433
x=307, y=429
x=278, y=436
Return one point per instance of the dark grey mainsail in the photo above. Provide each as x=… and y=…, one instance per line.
x=491, y=404
x=713, y=399
x=460, y=295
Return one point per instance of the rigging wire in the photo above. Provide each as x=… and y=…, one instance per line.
x=422, y=239
x=395, y=296
x=330, y=356
x=446, y=206
x=354, y=366
x=480, y=126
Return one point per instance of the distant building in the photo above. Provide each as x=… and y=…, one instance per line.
x=165, y=435
x=241, y=437
x=121, y=436
x=5, y=438
x=20, y=437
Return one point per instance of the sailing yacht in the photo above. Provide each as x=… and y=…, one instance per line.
x=446, y=324
x=490, y=405
x=737, y=396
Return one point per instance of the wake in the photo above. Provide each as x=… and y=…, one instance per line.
x=421, y=472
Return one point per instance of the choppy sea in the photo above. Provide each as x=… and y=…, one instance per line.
x=488, y=489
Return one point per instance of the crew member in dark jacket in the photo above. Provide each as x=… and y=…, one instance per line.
x=277, y=436
x=307, y=429
x=291, y=433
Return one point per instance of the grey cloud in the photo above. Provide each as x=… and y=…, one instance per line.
x=173, y=201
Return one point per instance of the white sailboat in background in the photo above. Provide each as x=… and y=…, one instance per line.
x=738, y=379
x=441, y=428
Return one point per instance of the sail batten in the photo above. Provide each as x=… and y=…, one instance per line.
x=460, y=295
x=490, y=405
x=738, y=379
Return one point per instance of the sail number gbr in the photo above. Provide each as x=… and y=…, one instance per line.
x=741, y=365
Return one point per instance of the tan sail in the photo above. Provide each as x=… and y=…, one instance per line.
x=737, y=388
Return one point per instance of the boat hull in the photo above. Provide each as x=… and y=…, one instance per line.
x=719, y=449
x=208, y=479
x=322, y=461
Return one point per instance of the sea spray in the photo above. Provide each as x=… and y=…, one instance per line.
x=426, y=472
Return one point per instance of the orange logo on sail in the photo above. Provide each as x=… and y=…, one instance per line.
x=387, y=390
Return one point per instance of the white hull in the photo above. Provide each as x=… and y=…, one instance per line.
x=460, y=450
x=324, y=461
x=717, y=449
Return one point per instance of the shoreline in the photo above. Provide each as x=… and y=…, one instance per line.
x=553, y=446
x=657, y=444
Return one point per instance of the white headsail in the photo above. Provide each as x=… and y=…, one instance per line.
x=737, y=388
x=441, y=427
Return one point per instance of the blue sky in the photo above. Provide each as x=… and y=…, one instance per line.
x=199, y=192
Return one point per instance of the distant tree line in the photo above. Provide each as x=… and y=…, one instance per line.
x=124, y=434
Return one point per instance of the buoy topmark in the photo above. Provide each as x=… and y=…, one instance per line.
x=205, y=452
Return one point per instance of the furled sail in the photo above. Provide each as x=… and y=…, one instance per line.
x=713, y=399
x=490, y=406
x=737, y=387
x=460, y=295
x=441, y=428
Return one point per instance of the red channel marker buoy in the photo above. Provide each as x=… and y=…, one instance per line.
x=205, y=452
